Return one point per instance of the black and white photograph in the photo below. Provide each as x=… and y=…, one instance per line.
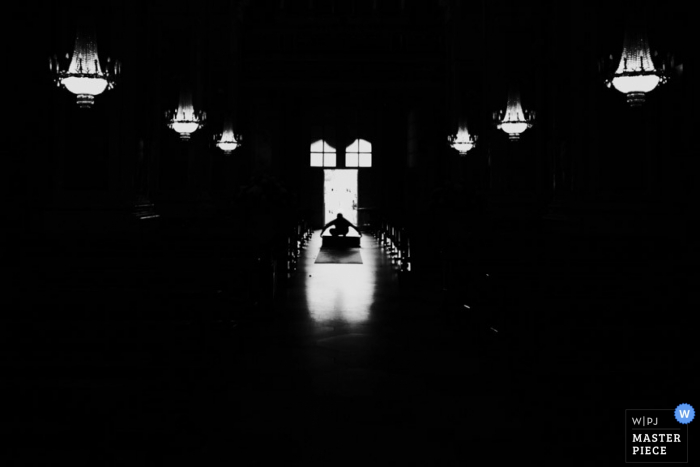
x=350, y=233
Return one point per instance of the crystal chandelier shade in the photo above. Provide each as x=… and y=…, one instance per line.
x=85, y=76
x=185, y=120
x=463, y=141
x=514, y=120
x=227, y=142
x=636, y=74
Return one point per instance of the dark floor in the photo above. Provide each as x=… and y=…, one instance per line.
x=350, y=367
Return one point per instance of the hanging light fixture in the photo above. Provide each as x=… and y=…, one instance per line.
x=636, y=74
x=85, y=76
x=514, y=120
x=227, y=141
x=462, y=141
x=185, y=120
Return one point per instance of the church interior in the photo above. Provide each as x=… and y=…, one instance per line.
x=522, y=270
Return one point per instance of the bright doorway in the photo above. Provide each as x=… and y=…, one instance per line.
x=340, y=194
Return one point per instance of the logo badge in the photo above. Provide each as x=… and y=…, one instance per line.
x=684, y=413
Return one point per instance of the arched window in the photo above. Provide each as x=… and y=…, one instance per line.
x=322, y=154
x=359, y=154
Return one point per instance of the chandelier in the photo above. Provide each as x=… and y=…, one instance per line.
x=462, y=141
x=227, y=141
x=185, y=120
x=84, y=76
x=636, y=75
x=514, y=120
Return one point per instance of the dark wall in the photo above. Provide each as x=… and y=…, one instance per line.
x=402, y=75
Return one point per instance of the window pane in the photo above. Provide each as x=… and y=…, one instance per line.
x=329, y=160
x=364, y=146
x=353, y=147
x=366, y=160
x=316, y=159
x=351, y=160
x=317, y=146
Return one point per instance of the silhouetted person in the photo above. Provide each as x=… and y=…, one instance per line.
x=342, y=226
